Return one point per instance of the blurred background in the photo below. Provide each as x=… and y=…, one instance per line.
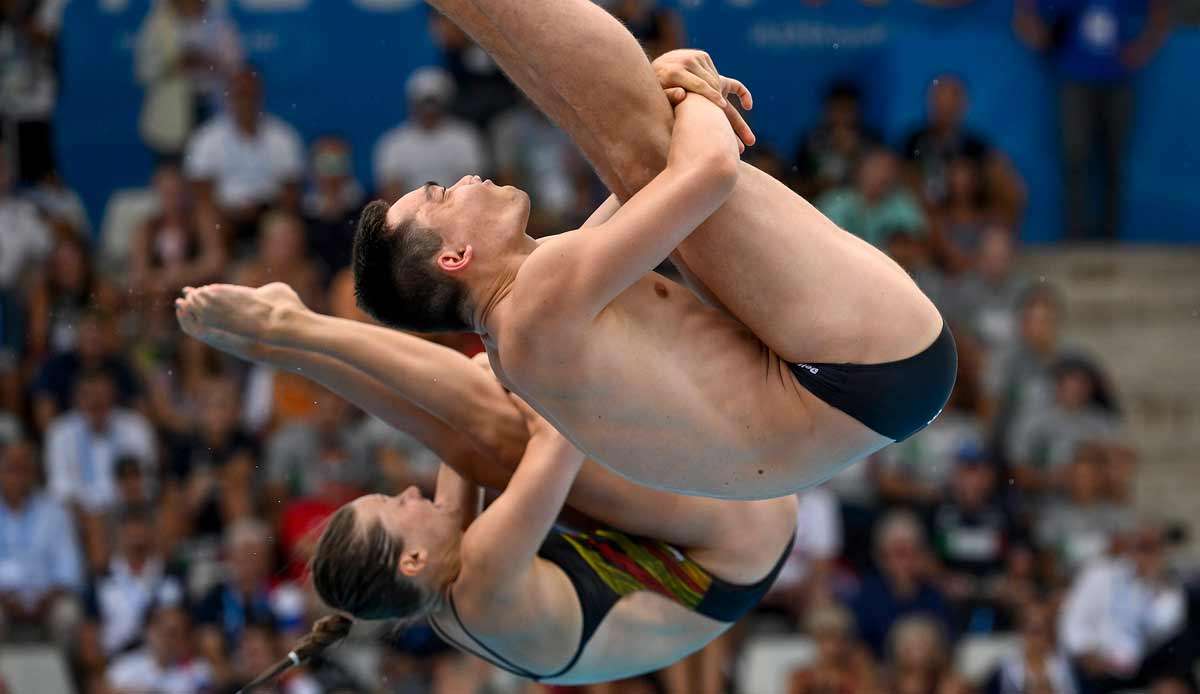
x=1033, y=164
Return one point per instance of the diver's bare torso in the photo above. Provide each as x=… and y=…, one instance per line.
x=677, y=395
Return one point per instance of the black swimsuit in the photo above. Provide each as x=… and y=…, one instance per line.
x=896, y=399
x=606, y=565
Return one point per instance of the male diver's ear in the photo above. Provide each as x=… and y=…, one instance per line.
x=412, y=563
x=456, y=260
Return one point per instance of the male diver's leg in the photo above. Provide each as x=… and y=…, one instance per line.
x=766, y=248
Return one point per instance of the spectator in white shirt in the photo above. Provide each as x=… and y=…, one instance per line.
x=245, y=160
x=26, y=239
x=430, y=146
x=166, y=665
x=1121, y=614
x=83, y=445
x=1036, y=667
x=40, y=565
x=118, y=600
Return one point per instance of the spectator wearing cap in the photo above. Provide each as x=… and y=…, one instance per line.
x=903, y=585
x=167, y=664
x=876, y=205
x=829, y=155
x=245, y=161
x=1044, y=439
x=1080, y=525
x=944, y=138
x=84, y=444
x=41, y=567
x=332, y=201
x=431, y=145
x=972, y=532
x=1123, y=617
x=117, y=600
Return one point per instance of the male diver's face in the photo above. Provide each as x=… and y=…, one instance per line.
x=473, y=212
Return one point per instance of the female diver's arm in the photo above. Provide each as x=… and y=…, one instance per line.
x=454, y=492
x=503, y=542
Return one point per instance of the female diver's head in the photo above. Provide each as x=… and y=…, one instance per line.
x=387, y=557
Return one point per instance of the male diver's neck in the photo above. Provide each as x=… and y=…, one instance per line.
x=494, y=294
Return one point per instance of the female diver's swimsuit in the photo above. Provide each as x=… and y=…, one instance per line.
x=606, y=565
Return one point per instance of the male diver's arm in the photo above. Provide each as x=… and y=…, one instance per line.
x=583, y=273
x=503, y=542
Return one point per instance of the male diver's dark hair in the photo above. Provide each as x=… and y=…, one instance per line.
x=396, y=280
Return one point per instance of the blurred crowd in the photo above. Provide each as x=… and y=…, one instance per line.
x=158, y=500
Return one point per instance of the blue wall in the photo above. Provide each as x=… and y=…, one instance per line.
x=332, y=66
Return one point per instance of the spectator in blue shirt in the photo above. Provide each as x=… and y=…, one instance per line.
x=1096, y=46
x=41, y=570
x=902, y=585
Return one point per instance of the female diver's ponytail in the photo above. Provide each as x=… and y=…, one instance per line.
x=326, y=632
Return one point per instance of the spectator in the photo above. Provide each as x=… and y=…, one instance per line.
x=876, y=206
x=83, y=445
x=40, y=562
x=1020, y=380
x=118, y=600
x=1081, y=526
x=332, y=202
x=245, y=161
x=247, y=595
x=60, y=294
x=918, y=655
x=902, y=586
x=173, y=250
x=539, y=158
x=1121, y=616
x=958, y=220
x=1045, y=438
x=912, y=253
x=26, y=239
x=1096, y=48
x=319, y=457
x=61, y=206
x=944, y=138
x=972, y=532
x=829, y=155
x=1037, y=667
x=29, y=83
x=658, y=29
x=483, y=91
x=432, y=145
x=186, y=52
x=207, y=461
x=842, y=664
x=914, y=473
x=985, y=297
x=166, y=665
x=281, y=257
x=259, y=650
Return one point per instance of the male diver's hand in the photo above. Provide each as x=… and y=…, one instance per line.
x=687, y=70
x=256, y=314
